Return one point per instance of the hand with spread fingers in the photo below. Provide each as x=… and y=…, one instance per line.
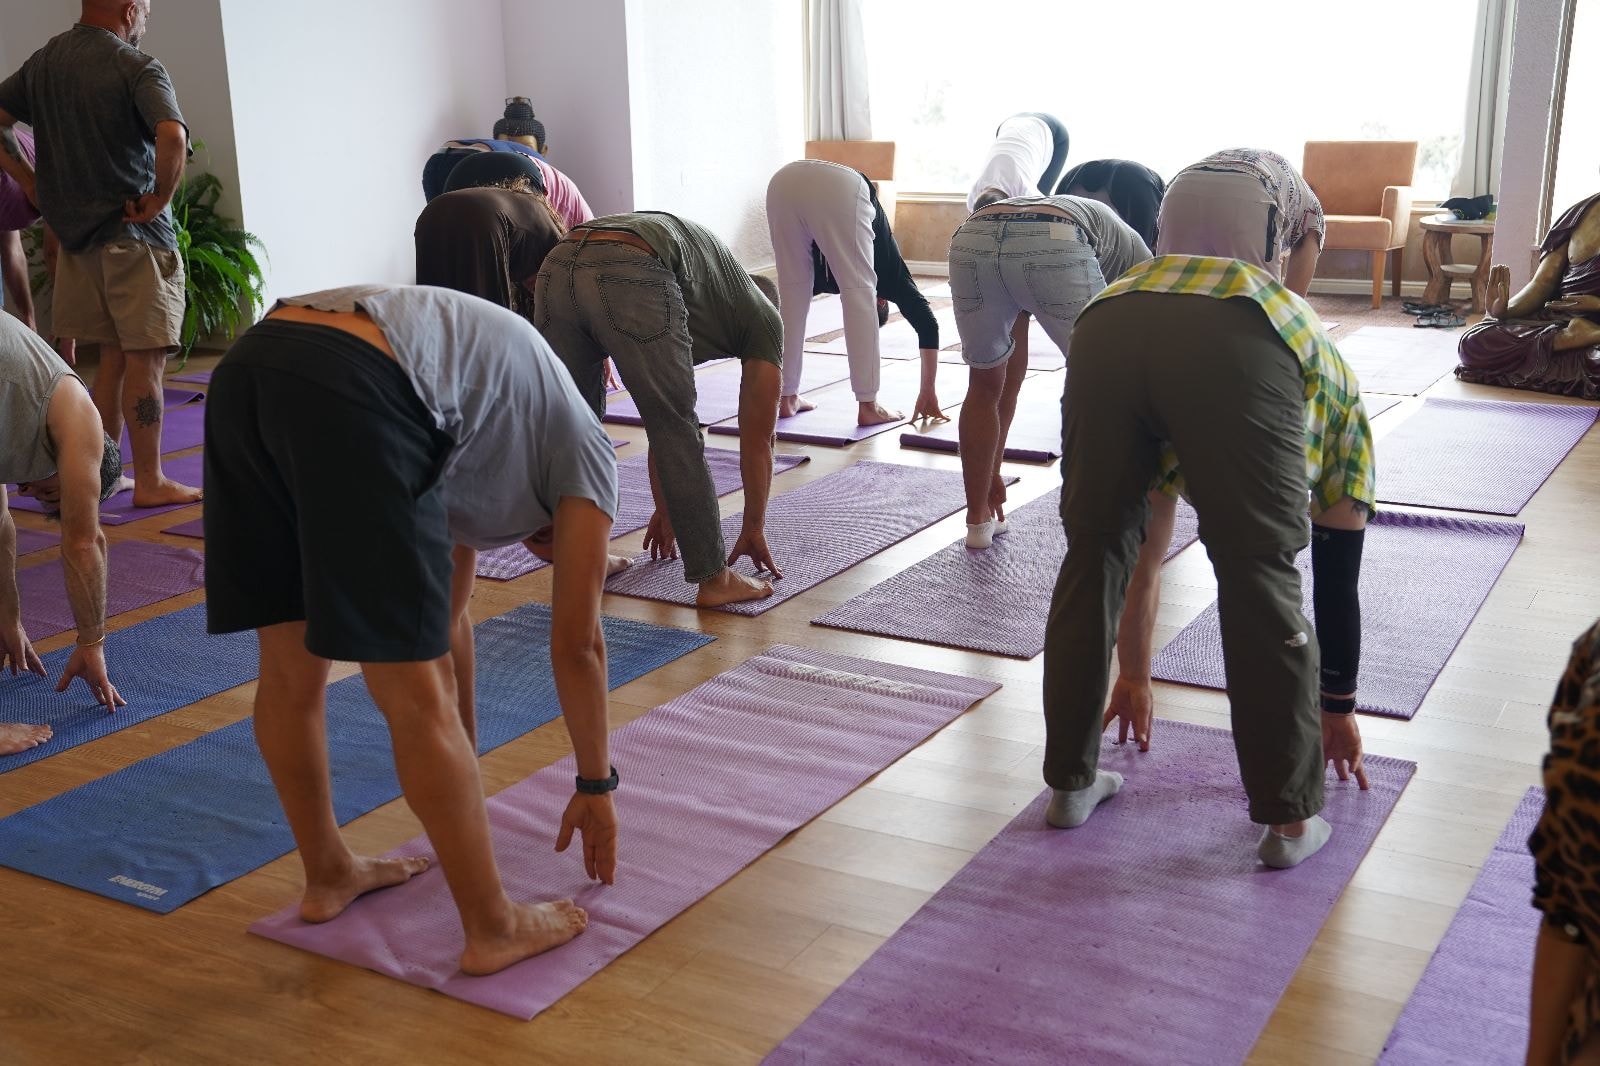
x=16, y=651
x=1341, y=745
x=753, y=542
x=89, y=663
x=659, y=539
x=1132, y=707
x=928, y=408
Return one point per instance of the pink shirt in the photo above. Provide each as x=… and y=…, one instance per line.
x=15, y=210
x=563, y=195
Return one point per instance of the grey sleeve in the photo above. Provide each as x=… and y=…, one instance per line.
x=155, y=99
x=14, y=96
x=584, y=465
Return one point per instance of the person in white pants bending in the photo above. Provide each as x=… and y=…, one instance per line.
x=812, y=201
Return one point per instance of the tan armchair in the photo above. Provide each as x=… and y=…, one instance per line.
x=1365, y=189
x=875, y=159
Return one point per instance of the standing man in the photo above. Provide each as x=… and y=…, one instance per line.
x=660, y=294
x=111, y=152
x=52, y=446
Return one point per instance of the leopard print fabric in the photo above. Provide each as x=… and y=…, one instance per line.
x=1566, y=842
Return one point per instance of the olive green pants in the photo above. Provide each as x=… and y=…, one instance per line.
x=1213, y=378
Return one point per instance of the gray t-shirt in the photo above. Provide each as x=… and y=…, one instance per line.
x=29, y=373
x=94, y=101
x=523, y=437
x=1117, y=245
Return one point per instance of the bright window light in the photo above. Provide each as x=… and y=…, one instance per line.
x=1578, y=151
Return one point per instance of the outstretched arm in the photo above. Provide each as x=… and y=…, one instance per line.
x=463, y=656
x=758, y=414
x=1132, y=704
x=15, y=650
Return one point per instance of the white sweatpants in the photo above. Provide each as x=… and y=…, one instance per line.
x=814, y=201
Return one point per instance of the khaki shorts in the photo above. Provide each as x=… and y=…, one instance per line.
x=125, y=293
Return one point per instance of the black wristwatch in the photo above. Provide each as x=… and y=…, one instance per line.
x=600, y=787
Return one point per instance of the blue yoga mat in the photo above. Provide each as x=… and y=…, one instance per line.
x=158, y=666
x=172, y=827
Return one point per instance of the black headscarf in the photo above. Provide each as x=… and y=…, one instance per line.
x=1133, y=190
x=493, y=168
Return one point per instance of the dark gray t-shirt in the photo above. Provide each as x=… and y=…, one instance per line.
x=93, y=101
x=524, y=438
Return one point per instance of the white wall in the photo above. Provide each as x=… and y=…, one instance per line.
x=570, y=57
x=715, y=88
x=1534, y=55
x=336, y=106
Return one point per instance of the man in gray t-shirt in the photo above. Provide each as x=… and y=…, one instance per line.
x=111, y=144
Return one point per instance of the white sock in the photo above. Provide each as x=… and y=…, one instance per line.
x=980, y=534
x=1281, y=852
x=1001, y=526
x=1068, y=810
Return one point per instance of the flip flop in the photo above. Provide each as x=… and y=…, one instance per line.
x=1417, y=307
x=1439, y=320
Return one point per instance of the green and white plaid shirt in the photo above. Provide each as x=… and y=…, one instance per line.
x=1339, y=455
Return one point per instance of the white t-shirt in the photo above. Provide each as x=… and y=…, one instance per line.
x=1022, y=149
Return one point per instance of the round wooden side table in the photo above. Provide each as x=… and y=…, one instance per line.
x=1437, y=231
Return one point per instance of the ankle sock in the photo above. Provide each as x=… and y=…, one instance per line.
x=1001, y=526
x=1067, y=810
x=1281, y=852
x=980, y=534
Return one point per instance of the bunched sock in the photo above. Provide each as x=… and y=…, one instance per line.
x=1281, y=852
x=1068, y=810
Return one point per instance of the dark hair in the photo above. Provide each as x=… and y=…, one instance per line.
x=110, y=468
x=990, y=196
x=482, y=169
x=518, y=121
x=1135, y=191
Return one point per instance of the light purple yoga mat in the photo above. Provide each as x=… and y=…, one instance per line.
x=1474, y=455
x=720, y=775
x=183, y=423
x=32, y=540
x=186, y=469
x=1472, y=1002
x=993, y=600
x=824, y=316
x=897, y=340
x=1150, y=934
x=1399, y=359
x=817, y=531
x=1035, y=435
x=1043, y=353
x=833, y=422
x=634, y=507
x=137, y=575
x=1423, y=578
x=717, y=391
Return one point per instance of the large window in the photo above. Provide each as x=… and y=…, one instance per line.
x=1166, y=82
x=1577, y=148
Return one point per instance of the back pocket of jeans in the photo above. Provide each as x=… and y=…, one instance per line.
x=637, y=309
x=964, y=292
x=1061, y=289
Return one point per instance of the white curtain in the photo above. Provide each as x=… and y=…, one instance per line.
x=837, y=107
x=1484, y=132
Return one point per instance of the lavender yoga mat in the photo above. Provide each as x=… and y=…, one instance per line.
x=32, y=540
x=1035, y=435
x=1423, y=578
x=993, y=600
x=817, y=531
x=833, y=422
x=187, y=469
x=137, y=575
x=183, y=426
x=634, y=507
x=1472, y=1002
x=1399, y=359
x=897, y=340
x=724, y=772
x=717, y=391
x=1043, y=353
x=1472, y=455
x=1150, y=934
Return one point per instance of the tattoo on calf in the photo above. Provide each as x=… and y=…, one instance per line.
x=147, y=409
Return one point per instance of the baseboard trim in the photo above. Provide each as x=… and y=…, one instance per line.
x=928, y=268
x=1362, y=287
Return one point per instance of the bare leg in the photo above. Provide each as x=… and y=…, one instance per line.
x=979, y=430
x=1016, y=371
x=15, y=737
x=141, y=403
x=291, y=731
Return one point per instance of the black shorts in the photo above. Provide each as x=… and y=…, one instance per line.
x=323, y=498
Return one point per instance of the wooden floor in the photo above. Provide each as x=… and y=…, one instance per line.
x=83, y=979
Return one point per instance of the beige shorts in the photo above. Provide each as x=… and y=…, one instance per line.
x=125, y=292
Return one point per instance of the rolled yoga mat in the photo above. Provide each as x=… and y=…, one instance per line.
x=724, y=772
x=1043, y=353
x=1150, y=934
x=897, y=340
x=187, y=469
x=1474, y=455
x=1423, y=578
x=1473, y=1000
x=1034, y=437
x=137, y=575
x=158, y=665
x=172, y=827
x=1399, y=359
x=635, y=505
x=833, y=422
x=995, y=599
x=717, y=391
x=817, y=531
x=32, y=540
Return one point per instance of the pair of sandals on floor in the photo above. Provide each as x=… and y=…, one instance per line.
x=1432, y=316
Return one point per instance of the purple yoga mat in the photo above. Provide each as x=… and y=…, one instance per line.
x=717, y=391
x=1043, y=353
x=1472, y=455
x=993, y=600
x=897, y=340
x=818, y=530
x=723, y=773
x=1472, y=1002
x=1399, y=359
x=137, y=575
x=1035, y=435
x=182, y=427
x=635, y=505
x=32, y=540
x=1423, y=578
x=197, y=377
x=186, y=469
x=1150, y=934
x=833, y=422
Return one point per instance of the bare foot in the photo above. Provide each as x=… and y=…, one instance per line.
x=789, y=406
x=729, y=587
x=616, y=564
x=535, y=928
x=875, y=414
x=323, y=903
x=164, y=492
x=15, y=737
x=123, y=485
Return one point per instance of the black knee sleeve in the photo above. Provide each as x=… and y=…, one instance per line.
x=1336, y=600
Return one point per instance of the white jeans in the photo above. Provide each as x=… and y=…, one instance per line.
x=811, y=201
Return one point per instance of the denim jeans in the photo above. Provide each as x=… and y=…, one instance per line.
x=1000, y=268
x=601, y=298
